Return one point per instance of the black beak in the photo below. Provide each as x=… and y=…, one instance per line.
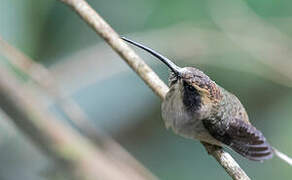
x=173, y=67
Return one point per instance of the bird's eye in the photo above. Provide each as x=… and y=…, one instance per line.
x=189, y=87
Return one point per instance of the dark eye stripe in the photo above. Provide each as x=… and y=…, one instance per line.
x=191, y=97
x=190, y=87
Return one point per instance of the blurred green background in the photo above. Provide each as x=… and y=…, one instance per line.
x=245, y=46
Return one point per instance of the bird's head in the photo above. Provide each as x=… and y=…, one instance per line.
x=195, y=87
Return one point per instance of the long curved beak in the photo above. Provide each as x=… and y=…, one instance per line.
x=173, y=67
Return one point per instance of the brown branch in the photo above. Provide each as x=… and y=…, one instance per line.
x=48, y=83
x=150, y=78
x=112, y=38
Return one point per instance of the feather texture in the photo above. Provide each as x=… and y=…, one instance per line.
x=243, y=138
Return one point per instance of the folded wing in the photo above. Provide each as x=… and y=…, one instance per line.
x=242, y=137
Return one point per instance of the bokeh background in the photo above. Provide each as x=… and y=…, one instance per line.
x=245, y=46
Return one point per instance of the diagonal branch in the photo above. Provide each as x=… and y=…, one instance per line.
x=112, y=38
x=94, y=20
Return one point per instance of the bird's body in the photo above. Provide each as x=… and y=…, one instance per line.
x=196, y=107
x=189, y=123
x=185, y=121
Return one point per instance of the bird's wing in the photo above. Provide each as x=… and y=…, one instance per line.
x=242, y=137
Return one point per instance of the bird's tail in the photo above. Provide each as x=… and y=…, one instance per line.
x=282, y=156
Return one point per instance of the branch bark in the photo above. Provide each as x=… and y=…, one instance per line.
x=94, y=20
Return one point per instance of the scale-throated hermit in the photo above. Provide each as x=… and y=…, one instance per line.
x=196, y=107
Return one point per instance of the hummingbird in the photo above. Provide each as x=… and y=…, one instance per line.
x=198, y=108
